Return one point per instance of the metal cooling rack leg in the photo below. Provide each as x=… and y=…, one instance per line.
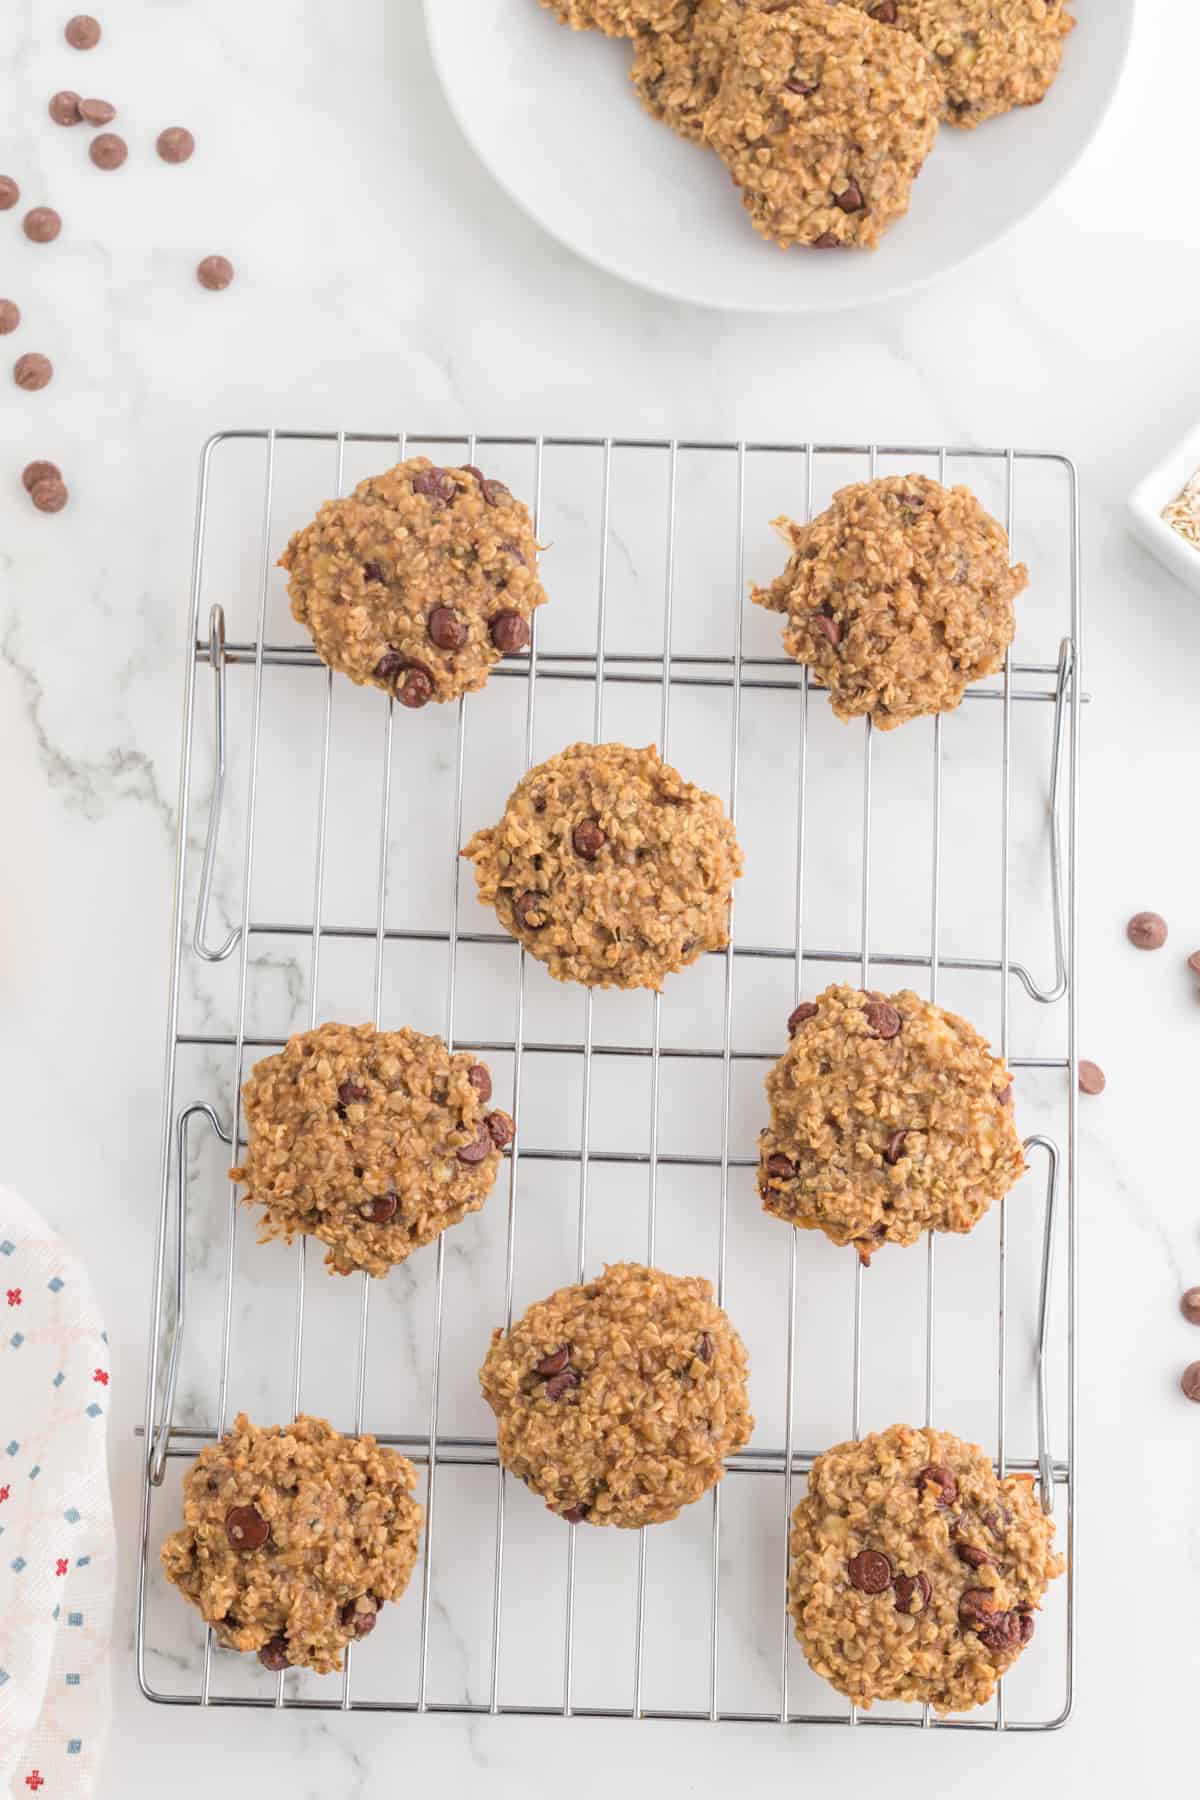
x=1045, y=1460
x=216, y=657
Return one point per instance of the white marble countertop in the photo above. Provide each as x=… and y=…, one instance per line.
x=383, y=280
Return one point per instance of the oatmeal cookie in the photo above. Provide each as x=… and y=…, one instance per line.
x=417, y=582
x=824, y=119
x=897, y=597
x=915, y=1571
x=889, y=1117
x=610, y=867
x=991, y=55
x=293, y=1538
x=618, y=1400
x=677, y=72
x=619, y=18
x=372, y=1141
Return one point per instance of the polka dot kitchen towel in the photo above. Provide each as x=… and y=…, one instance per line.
x=57, y=1551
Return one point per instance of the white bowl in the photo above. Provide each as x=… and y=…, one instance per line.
x=1146, y=504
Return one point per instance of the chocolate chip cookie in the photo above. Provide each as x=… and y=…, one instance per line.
x=610, y=867
x=618, y=18
x=293, y=1538
x=916, y=1573
x=417, y=582
x=824, y=119
x=990, y=57
x=897, y=597
x=617, y=1401
x=372, y=1141
x=889, y=1117
x=676, y=73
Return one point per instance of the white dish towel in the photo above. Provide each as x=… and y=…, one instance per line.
x=57, y=1550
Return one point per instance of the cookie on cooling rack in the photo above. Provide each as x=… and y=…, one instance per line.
x=616, y=1401
x=293, y=1538
x=915, y=1572
x=418, y=582
x=990, y=58
x=619, y=18
x=897, y=597
x=889, y=1118
x=824, y=119
x=372, y=1141
x=610, y=867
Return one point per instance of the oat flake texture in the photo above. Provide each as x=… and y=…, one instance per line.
x=619, y=18
x=991, y=55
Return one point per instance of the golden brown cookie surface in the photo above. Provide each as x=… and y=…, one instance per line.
x=991, y=55
x=618, y=18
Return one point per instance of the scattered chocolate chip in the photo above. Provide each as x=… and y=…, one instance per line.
x=1004, y=1631
x=588, y=840
x=49, y=496
x=976, y=1607
x=1147, y=931
x=108, y=151
x=98, y=112
x=555, y=1363
x=475, y=1153
x=41, y=225
x=470, y=469
x=895, y=1148
x=562, y=1383
x=246, y=1528
x=1005, y=1096
x=359, y=1616
x=82, y=32
x=372, y=572
x=175, y=144
x=799, y=1014
x=446, y=628
x=912, y=1592
x=575, y=1515
x=704, y=1347
x=500, y=1128
x=1189, y=1381
x=10, y=316
x=1189, y=1305
x=381, y=1210
x=64, y=107
x=1194, y=962
x=350, y=1093
x=972, y=1555
x=481, y=1080
x=780, y=1167
x=514, y=550
x=416, y=690
x=882, y=1017
x=1091, y=1078
x=214, y=273
x=389, y=666
x=34, y=472
x=493, y=491
x=940, y=1481
x=870, y=1572
x=10, y=193
x=850, y=199
x=32, y=371
x=996, y=1518
x=509, y=631
x=824, y=622
x=828, y=240
x=436, y=484
x=885, y=12
x=794, y=85
x=530, y=910
x=273, y=1655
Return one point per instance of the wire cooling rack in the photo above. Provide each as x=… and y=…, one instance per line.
x=942, y=855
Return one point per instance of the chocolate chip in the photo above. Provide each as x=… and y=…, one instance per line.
x=895, y=1148
x=530, y=910
x=175, y=144
x=494, y=492
x=108, y=151
x=1004, y=1631
x=1005, y=1096
x=1189, y=1305
x=780, y=1167
x=436, y=484
x=32, y=371
x=588, y=840
x=972, y=1555
x=885, y=12
x=34, y=472
x=704, y=1347
x=475, y=1153
x=882, y=1017
x=794, y=85
x=824, y=622
x=416, y=690
x=98, y=112
x=555, y=1363
x=358, y=1616
x=1027, y=1627
x=870, y=1572
x=799, y=1014
x=575, y=1515
x=500, y=1129
x=82, y=32
x=372, y=572
x=1194, y=962
x=1147, y=931
x=850, y=199
x=1091, y=1078
x=10, y=316
x=214, y=273
x=562, y=1383
x=381, y=1210
x=480, y=1079
x=1189, y=1381
x=10, y=193
x=828, y=240
x=246, y=1528
x=976, y=1607
x=470, y=469
x=912, y=1592
x=940, y=1481
x=446, y=628
x=913, y=503
x=49, y=496
x=41, y=225
x=64, y=107
x=996, y=1518
x=509, y=631
x=514, y=550
x=350, y=1093
x=273, y=1655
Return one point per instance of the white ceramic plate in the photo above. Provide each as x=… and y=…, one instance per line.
x=551, y=114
